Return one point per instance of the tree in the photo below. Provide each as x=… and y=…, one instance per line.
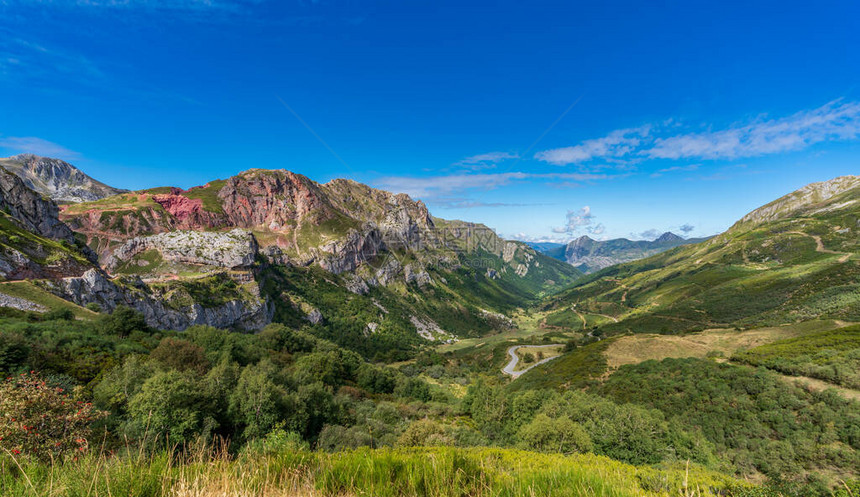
x=554, y=435
x=171, y=404
x=376, y=380
x=259, y=403
x=13, y=351
x=414, y=388
x=123, y=321
x=180, y=355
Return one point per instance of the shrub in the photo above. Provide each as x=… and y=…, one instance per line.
x=59, y=315
x=13, y=351
x=554, y=435
x=123, y=321
x=180, y=355
x=42, y=421
x=424, y=432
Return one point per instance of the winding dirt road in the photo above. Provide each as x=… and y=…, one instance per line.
x=512, y=351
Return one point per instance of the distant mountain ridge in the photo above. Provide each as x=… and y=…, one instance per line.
x=590, y=255
x=57, y=179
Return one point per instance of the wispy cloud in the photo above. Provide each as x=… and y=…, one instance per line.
x=440, y=187
x=38, y=146
x=466, y=203
x=834, y=121
x=579, y=221
x=651, y=234
x=140, y=4
x=525, y=237
x=686, y=228
x=617, y=144
x=26, y=60
x=485, y=161
x=674, y=169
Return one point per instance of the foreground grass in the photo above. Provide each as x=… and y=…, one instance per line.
x=438, y=472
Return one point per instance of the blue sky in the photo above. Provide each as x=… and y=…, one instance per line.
x=544, y=120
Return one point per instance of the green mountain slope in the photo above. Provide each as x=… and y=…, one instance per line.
x=792, y=260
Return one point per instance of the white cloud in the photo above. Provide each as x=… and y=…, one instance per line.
x=485, y=161
x=581, y=220
x=523, y=237
x=24, y=59
x=686, y=228
x=618, y=143
x=438, y=187
x=651, y=234
x=836, y=120
x=674, y=169
x=38, y=146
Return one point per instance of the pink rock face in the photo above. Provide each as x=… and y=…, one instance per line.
x=277, y=201
x=178, y=206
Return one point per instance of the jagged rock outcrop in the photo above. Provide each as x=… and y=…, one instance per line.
x=57, y=179
x=20, y=304
x=346, y=254
x=232, y=249
x=34, y=212
x=95, y=287
x=34, y=243
x=276, y=200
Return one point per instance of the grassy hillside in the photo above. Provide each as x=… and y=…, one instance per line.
x=832, y=356
x=799, y=265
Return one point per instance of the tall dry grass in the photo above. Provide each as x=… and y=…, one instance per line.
x=212, y=471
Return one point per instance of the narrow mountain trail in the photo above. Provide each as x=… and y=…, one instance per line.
x=819, y=246
x=515, y=359
x=607, y=316
x=584, y=321
x=581, y=317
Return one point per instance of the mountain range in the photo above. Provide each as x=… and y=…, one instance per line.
x=589, y=255
x=212, y=254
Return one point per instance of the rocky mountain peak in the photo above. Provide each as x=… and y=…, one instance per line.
x=811, y=195
x=668, y=237
x=57, y=179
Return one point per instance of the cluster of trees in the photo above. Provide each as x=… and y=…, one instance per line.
x=756, y=420
x=207, y=382
x=574, y=421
